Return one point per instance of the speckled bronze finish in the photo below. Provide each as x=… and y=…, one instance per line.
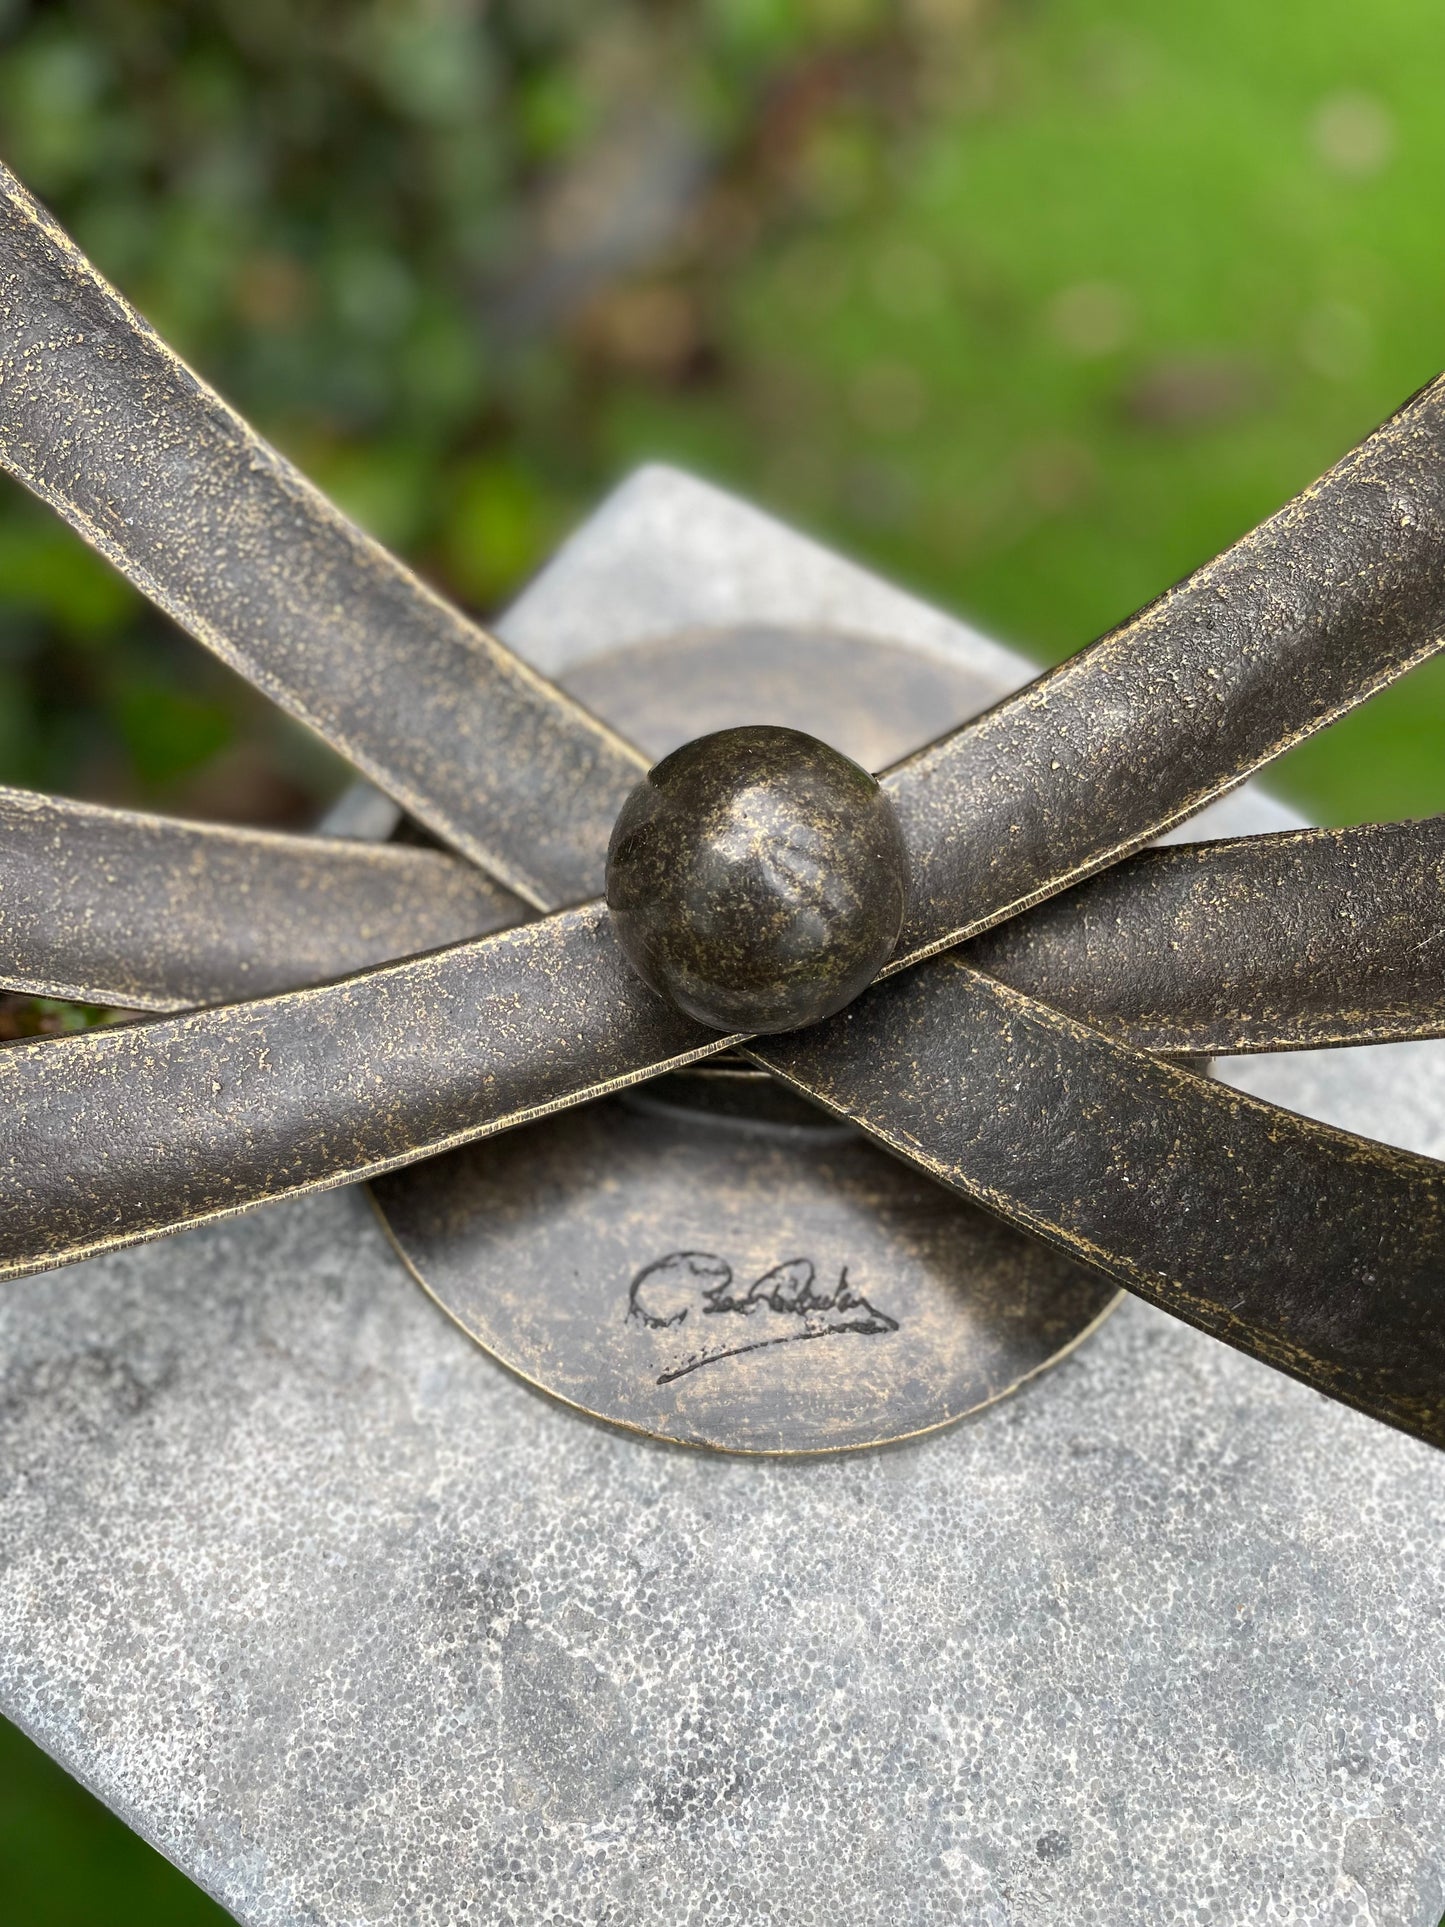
x=756, y=878
x=1141, y=1170
x=350, y=1624
x=751, y=1287
x=119, y=1134
x=1319, y=1252
x=117, y=907
x=104, y=423
x=1261, y=943
x=1329, y=600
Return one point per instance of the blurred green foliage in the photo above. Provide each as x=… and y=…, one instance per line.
x=1033, y=303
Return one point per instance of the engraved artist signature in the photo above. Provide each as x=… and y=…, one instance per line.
x=692, y=1294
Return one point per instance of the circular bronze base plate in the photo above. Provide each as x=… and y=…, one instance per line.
x=707, y=1259
x=749, y=1286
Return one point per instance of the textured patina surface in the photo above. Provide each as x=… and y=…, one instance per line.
x=783, y=1288
x=695, y=1260
x=118, y=1136
x=358, y=1629
x=103, y=422
x=199, y=1115
x=528, y=1300
x=757, y=878
x=1285, y=942
x=147, y=913
x=1311, y=1248
x=1288, y=941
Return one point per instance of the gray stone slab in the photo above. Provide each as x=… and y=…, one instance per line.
x=356, y=1628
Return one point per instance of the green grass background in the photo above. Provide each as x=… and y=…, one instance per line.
x=1033, y=304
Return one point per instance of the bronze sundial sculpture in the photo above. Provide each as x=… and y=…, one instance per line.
x=1051, y=985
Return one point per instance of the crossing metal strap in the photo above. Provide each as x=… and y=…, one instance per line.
x=143, y=912
x=116, y=1135
x=1321, y=1253
x=1261, y=943
x=1267, y=943
x=1316, y=1251
x=1332, y=598
x=1070, y=1135
x=102, y=421
x=1339, y=593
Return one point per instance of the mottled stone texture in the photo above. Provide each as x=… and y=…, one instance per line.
x=356, y=1628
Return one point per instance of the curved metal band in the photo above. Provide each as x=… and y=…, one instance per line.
x=116, y=907
x=1329, y=600
x=1321, y=1253
x=1337, y=594
x=104, y=423
x=117, y=1135
x=1266, y=943
x=1260, y=943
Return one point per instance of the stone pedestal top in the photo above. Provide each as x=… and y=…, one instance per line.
x=357, y=1628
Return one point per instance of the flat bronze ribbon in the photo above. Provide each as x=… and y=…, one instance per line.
x=1080, y=1139
x=1290, y=941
